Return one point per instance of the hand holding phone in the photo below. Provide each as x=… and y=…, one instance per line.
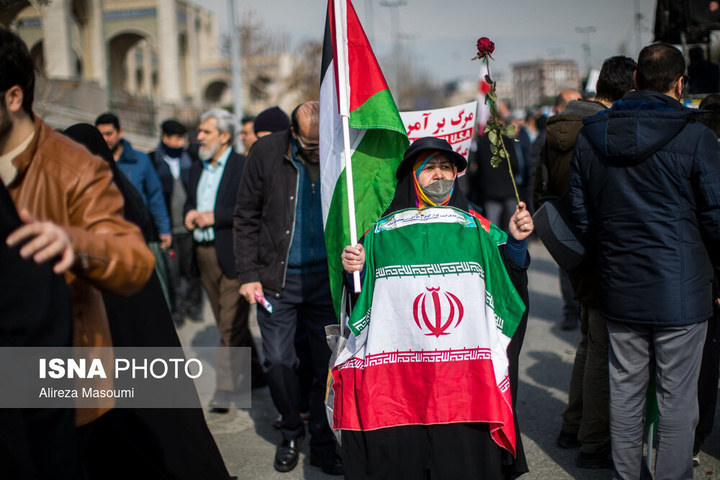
x=263, y=301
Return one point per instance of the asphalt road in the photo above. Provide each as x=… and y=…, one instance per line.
x=247, y=438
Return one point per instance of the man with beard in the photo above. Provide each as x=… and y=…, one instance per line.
x=282, y=261
x=136, y=166
x=70, y=220
x=209, y=215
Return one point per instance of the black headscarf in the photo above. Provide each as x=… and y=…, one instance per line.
x=135, y=209
x=129, y=440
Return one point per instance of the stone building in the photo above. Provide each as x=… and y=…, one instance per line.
x=537, y=83
x=145, y=59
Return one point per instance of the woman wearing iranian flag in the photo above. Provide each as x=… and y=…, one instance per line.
x=426, y=384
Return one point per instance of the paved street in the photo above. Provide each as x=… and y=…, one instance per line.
x=247, y=438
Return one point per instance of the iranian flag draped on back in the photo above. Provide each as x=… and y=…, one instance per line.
x=377, y=134
x=430, y=329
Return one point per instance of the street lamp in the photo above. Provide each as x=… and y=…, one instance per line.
x=586, y=31
x=396, y=48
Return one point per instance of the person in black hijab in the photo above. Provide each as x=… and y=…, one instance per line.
x=135, y=209
x=162, y=443
x=427, y=176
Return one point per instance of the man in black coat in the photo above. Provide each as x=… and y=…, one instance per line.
x=643, y=190
x=281, y=257
x=209, y=215
x=172, y=164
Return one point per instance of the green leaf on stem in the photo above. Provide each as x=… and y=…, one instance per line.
x=492, y=136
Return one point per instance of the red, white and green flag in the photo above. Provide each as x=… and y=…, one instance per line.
x=430, y=329
x=353, y=86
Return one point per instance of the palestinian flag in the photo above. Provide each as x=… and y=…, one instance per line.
x=430, y=329
x=377, y=134
x=483, y=108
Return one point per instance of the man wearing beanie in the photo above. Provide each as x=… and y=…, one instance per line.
x=172, y=163
x=270, y=121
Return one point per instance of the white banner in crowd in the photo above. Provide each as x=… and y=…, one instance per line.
x=454, y=124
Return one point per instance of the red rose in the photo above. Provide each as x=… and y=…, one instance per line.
x=485, y=47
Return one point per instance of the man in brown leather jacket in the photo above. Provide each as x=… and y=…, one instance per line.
x=71, y=210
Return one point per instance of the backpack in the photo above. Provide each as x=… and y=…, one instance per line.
x=554, y=227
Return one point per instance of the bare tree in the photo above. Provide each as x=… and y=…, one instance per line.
x=306, y=75
x=274, y=72
x=256, y=40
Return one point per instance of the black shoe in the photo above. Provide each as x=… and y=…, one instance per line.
x=287, y=453
x=329, y=461
x=220, y=402
x=594, y=460
x=567, y=440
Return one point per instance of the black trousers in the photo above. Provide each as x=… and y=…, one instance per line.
x=183, y=278
x=306, y=300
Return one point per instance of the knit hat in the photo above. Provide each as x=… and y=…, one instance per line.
x=173, y=127
x=271, y=120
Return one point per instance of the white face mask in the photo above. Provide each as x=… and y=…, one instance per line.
x=438, y=191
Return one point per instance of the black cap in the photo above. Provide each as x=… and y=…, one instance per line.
x=271, y=120
x=173, y=127
x=429, y=143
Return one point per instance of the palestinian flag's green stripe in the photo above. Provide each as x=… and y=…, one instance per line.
x=378, y=112
x=374, y=165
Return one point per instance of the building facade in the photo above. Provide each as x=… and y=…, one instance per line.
x=144, y=59
x=537, y=83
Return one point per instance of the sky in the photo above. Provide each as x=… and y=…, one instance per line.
x=439, y=36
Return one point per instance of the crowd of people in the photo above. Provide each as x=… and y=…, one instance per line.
x=99, y=237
